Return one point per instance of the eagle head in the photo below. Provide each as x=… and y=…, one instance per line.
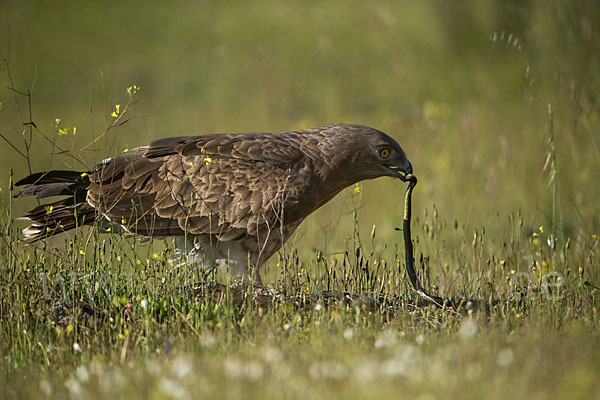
x=373, y=153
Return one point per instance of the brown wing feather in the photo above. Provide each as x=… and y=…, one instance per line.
x=228, y=185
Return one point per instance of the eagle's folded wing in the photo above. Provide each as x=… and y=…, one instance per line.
x=215, y=184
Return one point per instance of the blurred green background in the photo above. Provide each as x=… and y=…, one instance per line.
x=463, y=86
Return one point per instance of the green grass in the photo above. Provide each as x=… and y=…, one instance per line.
x=465, y=90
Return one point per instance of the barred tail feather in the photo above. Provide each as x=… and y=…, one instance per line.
x=59, y=216
x=52, y=183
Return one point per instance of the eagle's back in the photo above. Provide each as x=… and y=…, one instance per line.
x=230, y=186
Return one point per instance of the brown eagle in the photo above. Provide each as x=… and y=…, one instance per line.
x=231, y=200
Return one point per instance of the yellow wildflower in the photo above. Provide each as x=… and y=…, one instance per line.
x=117, y=111
x=131, y=90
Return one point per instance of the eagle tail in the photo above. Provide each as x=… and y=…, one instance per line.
x=59, y=216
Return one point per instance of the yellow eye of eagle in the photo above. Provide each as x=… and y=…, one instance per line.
x=384, y=153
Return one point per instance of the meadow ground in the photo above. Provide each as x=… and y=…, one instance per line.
x=496, y=105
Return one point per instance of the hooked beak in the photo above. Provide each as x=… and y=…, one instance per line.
x=402, y=171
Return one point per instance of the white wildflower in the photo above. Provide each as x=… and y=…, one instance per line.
x=173, y=389
x=181, y=368
x=272, y=355
x=505, y=357
x=348, y=333
x=327, y=370
x=82, y=374
x=208, y=339
x=468, y=329
x=420, y=339
x=386, y=338
x=74, y=388
x=252, y=370
x=46, y=388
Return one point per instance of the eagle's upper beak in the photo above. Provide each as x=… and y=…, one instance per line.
x=402, y=170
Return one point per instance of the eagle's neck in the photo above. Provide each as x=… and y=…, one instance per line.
x=335, y=171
